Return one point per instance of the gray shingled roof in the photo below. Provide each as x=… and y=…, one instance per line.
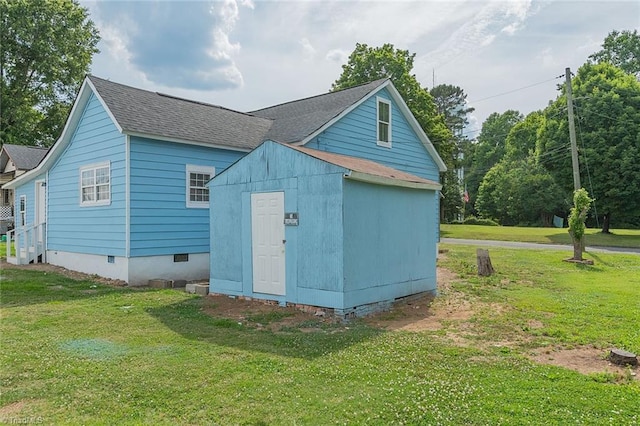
x=152, y=113
x=294, y=121
x=25, y=157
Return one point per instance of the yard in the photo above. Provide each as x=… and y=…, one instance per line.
x=617, y=238
x=522, y=347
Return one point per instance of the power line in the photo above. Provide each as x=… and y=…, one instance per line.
x=557, y=114
x=586, y=162
x=516, y=90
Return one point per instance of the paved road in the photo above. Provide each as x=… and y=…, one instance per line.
x=514, y=244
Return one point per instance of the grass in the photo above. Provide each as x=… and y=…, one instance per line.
x=79, y=352
x=577, y=304
x=617, y=238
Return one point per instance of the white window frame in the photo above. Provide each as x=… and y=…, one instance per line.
x=206, y=170
x=387, y=143
x=22, y=208
x=95, y=202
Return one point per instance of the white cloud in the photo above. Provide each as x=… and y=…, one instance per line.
x=178, y=44
x=267, y=52
x=338, y=55
x=480, y=28
x=308, y=51
x=547, y=60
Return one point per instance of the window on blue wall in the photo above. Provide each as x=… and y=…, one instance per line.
x=23, y=210
x=384, y=122
x=95, y=185
x=197, y=191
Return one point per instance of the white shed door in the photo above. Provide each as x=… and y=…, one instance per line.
x=267, y=234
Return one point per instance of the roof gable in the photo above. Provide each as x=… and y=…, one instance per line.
x=24, y=157
x=404, y=110
x=294, y=121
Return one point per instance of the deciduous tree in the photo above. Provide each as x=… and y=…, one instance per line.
x=622, y=49
x=46, y=49
x=489, y=149
x=519, y=192
x=608, y=123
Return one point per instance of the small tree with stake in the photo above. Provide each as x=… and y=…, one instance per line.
x=581, y=204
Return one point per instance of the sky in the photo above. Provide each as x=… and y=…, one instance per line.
x=249, y=54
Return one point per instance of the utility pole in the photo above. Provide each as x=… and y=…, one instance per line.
x=572, y=132
x=574, y=147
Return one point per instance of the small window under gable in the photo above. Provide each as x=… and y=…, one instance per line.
x=197, y=191
x=384, y=122
x=95, y=184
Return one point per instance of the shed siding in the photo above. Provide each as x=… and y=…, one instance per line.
x=313, y=249
x=161, y=223
x=97, y=229
x=389, y=245
x=355, y=135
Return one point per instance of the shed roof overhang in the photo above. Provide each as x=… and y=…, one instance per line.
x=382, y=180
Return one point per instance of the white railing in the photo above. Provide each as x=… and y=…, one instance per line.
x=28, y=243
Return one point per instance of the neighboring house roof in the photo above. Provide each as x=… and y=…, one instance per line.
x=142, y=112
x=24, y=157
x=370, y=171
x=294, y=121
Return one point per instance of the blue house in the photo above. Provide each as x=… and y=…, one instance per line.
x=337, y=209
x=123, y=194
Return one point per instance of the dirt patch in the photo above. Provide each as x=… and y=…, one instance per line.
x=263, y=314
x=74, y=275
x=427, y=312
x=11, y=409
x=585, y=360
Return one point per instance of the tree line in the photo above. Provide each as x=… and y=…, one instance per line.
x=517, y=171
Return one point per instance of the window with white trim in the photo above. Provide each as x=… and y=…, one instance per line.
x=384, y=122
x=95, y=185
x=23, y=210
x=197, y=191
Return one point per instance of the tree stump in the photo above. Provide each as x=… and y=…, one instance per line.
x=485, y=268
x=620, y=357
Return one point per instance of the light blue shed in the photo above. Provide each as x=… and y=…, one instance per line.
x=308, y=227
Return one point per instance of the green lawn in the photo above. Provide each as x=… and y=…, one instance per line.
x=617, y=238
x=78, y=352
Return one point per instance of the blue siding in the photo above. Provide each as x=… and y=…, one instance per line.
x=97, y=229
x=356, y=243
x=161, y=223
x=389, y=245
x=314, y=254
x=355, y=135
x=27, y=189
